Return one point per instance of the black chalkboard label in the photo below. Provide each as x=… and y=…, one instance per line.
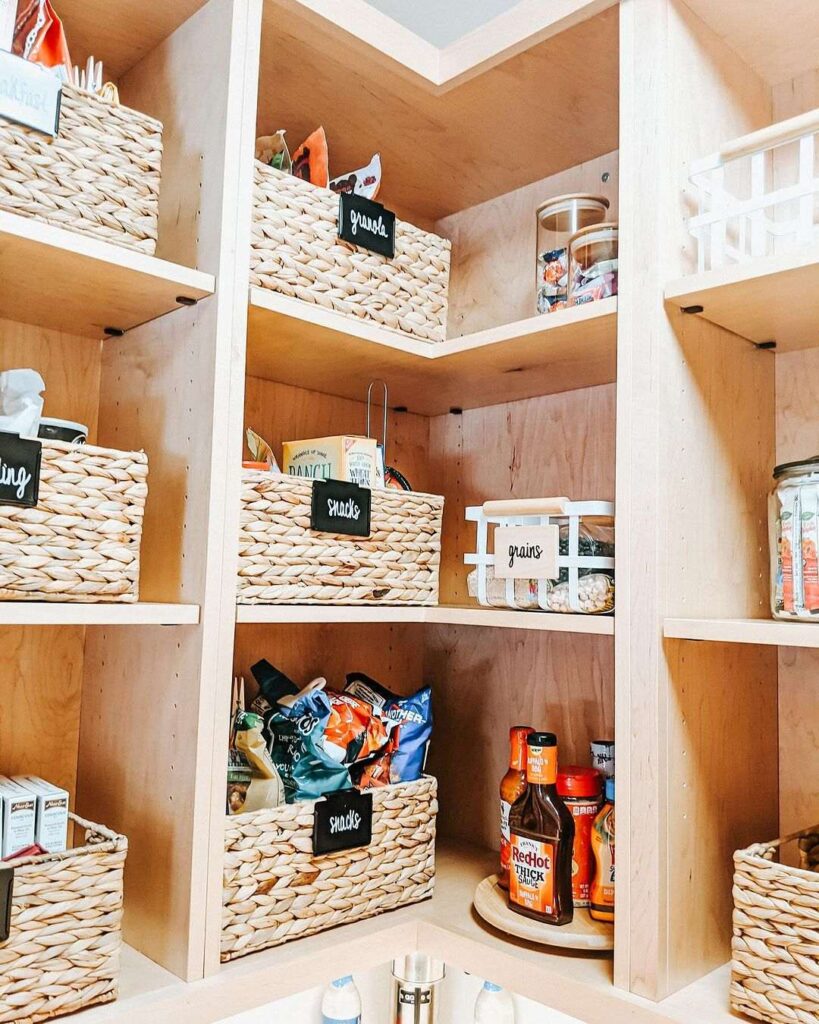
x=343, y=821
x=365, y=223
x=19, y=470
x=6, y=893
x=341, y=507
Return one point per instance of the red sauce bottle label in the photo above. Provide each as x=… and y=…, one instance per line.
x=532, y=878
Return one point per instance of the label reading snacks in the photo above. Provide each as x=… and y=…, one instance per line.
x=29, y=94
x=343, y=821
x=19, y=470
x=527, y=552
x=342, y=508
x=367, y=224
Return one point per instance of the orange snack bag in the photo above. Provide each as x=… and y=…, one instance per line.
x=310, y=161
x=40, y=38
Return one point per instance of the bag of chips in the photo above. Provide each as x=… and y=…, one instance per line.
x=40, y=38
x=413, y=715
x=310, y=161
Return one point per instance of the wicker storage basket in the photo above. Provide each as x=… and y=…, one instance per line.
x=295, y=250
x=100, y=176
x=64, y=945
x=275, y=890
x=776, y=933
x=81, y=542
x=283, y=561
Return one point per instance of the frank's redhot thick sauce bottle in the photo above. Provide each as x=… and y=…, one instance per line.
x=541, y=839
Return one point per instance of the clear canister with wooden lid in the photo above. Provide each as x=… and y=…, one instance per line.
x=558, y=219
x=593, y=264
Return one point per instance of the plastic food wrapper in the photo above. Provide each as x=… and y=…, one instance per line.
x=413, y=716
x=39, y=37
x=310, y=161
x=378, y=771
x=272, y=150
x=21, y=402
x=554, y=284
x=366, y=181
x=260, y=450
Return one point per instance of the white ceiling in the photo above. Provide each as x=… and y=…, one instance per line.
x=441, y=22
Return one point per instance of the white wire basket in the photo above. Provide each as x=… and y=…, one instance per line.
x=758, y=196
x=586, y=582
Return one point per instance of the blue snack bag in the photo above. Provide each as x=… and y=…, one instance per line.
x=414, y=715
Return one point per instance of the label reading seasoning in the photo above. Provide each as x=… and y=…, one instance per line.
x=532, y=878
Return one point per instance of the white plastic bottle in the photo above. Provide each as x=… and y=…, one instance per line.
x=494, y=1006
x=341, y=1003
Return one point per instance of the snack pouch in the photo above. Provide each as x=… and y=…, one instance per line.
x=355, y=730
x=310, y=161
x=414, y=717
x=295, y=738
x=40, y=38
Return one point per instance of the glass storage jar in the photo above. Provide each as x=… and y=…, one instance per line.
x=593, y=264
x=793, y=525
x=557, y=220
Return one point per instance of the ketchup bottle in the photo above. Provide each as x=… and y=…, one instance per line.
x=541, y=837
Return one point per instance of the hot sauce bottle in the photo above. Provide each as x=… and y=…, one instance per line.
x=512, y=787
x=541, y=838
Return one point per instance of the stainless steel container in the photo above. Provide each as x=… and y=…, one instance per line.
x=416, y=979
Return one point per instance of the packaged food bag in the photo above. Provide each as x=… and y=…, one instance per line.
x=40, y=38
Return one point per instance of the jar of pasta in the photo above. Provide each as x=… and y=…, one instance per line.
x=593, y=264
x=794, y=541
x=557, y=220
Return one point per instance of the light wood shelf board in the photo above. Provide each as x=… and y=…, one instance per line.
x=779, y=41
x=445, y=926
x=442, y=615
x=124, y=40
x=771, y=299
x=354, y=91
x=144, y=613
x=773, y=632
x=305, y=345
x=91, y=284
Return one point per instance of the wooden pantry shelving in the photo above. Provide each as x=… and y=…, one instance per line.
x=626, y=400
x=441, y=615
x=308, y=346
x=92, y=285
x=143, y=613
x=739, y=299
x=770, y=632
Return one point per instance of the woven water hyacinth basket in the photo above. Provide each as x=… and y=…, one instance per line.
x=283, y=561
x=81, y=542
x=775, y=973
x=64, y=945
x=276, y=890
x=295, y=250
x=100, y=176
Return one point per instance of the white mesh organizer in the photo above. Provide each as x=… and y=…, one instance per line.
x=759, y=195
x=585, y=560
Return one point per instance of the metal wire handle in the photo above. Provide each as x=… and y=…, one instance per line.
x=373, y=384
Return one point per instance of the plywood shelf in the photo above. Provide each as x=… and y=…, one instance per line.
x=773, y=299
x=299, y=343
x=144, y=613
x=91, y=285
x=442, y=615
x=771, y=632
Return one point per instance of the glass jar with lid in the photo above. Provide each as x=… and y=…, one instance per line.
x=557, y=220
x=593, y=264
x=793, y=522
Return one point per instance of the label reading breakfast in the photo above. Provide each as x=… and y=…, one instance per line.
x=531, y=882
x=527, y=552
